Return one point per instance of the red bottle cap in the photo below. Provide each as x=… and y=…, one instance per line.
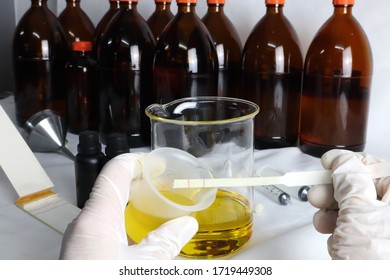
x=162, y=1
x=82, y=46
x=128, y=0
x=343, y=2
x=275, y=2
x=216, y=2
x=186, y=1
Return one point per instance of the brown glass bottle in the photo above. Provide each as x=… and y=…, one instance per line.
x=185, y=61
x=336, y=88
x=105, y=20
x=272, y=66
x=82, y=90
x=161, y=16
x=76, y=23
x=40, y=52
x=125, y=55
x=228, y=46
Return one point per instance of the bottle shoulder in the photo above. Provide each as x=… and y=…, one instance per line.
x=158, y=21
x=186, y=42
x=77, y=25
x=273, y=40
x=185, y=31
x=39, y=22
x=162, y=17
x=222, y=30
x=76, y=16
x=129, y=26
x=339, y=39
x=273, y=30
x=127, y=38
x=38, y=28
x=341, y=32
x=102, y=25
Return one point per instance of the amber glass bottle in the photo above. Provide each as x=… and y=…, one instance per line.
x=82, y=91
x=76, y=23
x=125, y=55
x=228, y=46
x=185, y=61
x=161, y=16
x=40, y=52
x=105, y=20
x=272, y=66
x=336, y=88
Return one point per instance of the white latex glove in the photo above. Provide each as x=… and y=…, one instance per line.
x=355, y=210
x=99, y=231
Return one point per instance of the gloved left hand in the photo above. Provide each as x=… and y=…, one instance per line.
x=99, y=230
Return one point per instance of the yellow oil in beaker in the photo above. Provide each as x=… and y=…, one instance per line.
x=224, y=227
x=138, y=224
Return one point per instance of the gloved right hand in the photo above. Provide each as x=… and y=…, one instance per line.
x=99, y=230
x=355, y=210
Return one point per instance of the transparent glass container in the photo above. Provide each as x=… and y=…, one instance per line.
x=218, y=131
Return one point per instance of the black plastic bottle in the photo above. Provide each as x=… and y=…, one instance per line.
x=116, y=145
x=88, y=163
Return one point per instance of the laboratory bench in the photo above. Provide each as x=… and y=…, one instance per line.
x=281, y=232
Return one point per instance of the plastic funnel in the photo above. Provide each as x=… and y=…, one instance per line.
x=153, y=193
x=46, y=131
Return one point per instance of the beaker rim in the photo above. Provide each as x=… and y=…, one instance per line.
x=253, y=110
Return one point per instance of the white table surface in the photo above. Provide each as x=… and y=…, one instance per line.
x=280, y=232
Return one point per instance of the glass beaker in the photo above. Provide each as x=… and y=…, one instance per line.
x=219, y=132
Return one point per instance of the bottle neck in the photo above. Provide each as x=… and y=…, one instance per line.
x=72, y=3
x=114, y=5
x=128, y=5
x=39, y=3
x=215, y=8
x=186, y=7
x=343, y=9
x=275, y=9
x=163, y=6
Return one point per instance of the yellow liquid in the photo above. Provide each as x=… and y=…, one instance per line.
x=139, y=224
x=224, y=227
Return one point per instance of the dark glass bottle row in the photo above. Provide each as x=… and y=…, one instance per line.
x=173, y=56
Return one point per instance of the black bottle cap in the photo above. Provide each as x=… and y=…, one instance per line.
x=116, y=145
x=89, y=143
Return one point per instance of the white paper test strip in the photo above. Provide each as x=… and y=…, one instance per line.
x=30, y=180
x=289, y=179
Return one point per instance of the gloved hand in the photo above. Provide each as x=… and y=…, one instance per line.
x=99, y=231
x=355, y=210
